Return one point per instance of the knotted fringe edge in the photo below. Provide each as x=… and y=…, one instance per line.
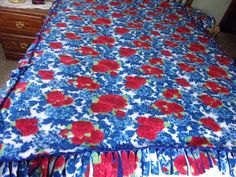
x=27, y=60
x=142, y=162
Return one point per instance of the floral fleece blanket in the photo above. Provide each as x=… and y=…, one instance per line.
x=120, y=88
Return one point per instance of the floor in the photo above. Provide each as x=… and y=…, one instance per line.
x=5, y=67
x=226, y=42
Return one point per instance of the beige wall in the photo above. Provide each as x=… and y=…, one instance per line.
x=215, y=8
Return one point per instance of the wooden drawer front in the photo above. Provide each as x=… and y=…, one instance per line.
x=16, y=43
x=20, y=23
x=13, y=55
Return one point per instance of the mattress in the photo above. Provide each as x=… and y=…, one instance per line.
x=120, y=88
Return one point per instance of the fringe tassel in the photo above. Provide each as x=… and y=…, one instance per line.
x=144, y=162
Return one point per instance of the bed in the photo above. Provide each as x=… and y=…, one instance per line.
x=120, y=88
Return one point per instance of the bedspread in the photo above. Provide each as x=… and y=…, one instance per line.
x=119, y=88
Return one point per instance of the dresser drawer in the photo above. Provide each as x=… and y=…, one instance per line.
x=10, y=55
x=15, y=43
x=16, y=23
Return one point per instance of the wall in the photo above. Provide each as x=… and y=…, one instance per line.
x=216, y=8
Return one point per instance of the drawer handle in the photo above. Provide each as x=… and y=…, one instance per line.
x=20, y=24
x=23, y=45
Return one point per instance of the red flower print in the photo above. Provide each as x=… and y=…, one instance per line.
x=182, y=82
x=89, y=51
x=135, y=25
x=46, y=74
x=61, y=25
x=77, y=4
x=120, y=114
x=128, y=1
x=159, y=26
x=183, y=30
x=172, y=93
x=102, y=7
x=72, y=36
x=223, y=60
x=130, y=12
x=109, y=66
x=191, y=24
x=193, y=58
x=209, y=101
x=155, y=33
x=84, y=82
x=59, y=163
x=149, y=70
x=170, y=43
x=145, y=38
x=68, y=60
x=20, y=86
x=88, y=29
x=81, y=127
x=197, y=165
x=141, y=44
x=181, y=165
x=90, y=1
x=210, y=123
x=55, y=45
x=38, y=53
x=64, y=133
x=158, y=61
x=195, y=47
x=27, y=126
x=23, y=62
x=117, y=15
x=204, y=159
x=121, y=30
x=104, y=40
x=115, y=3
x=173, y=17
x=178, y=37
x=149, y=127
x=108, y=103
x=166, y=53
x=96, y=137
x=90, y=13
x=203, y=39
x=152, y=14
x=213, y=86
x=58, y=99
x=101, y=108
x=164, y=169
x=129, y=163
x=169, y=108
x=165, y=21
x=107, y=165
x=135, y=82
x=199, y=142
x=74, y=17
x=102, y=21
x=6, y=104
x=127, y=52
x=83, y=132
x=164, y=5
x=217, y=72
x=186, y=67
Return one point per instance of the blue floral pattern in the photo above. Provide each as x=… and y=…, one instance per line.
x=119, y=88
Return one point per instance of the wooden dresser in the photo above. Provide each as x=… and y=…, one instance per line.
x=18, y=28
